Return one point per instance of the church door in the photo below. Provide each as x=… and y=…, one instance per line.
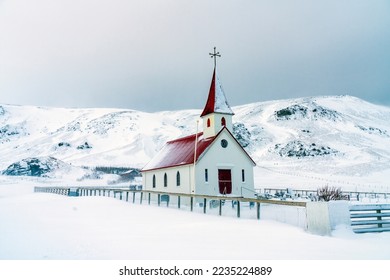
x=225, y=181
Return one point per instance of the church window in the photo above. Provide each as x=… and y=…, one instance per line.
x=223, y=121
x=208, y=122
x=178, y=178
x=243, y=175
x=154, y=181
x=224, y=143
x=165, y=180
x=206, y=175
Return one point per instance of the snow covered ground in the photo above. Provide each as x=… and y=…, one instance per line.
x=39, y=226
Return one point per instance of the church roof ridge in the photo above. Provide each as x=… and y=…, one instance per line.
x=187, y=137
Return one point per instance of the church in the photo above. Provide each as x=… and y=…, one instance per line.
x=211, y=162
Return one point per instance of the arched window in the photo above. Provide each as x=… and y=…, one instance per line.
x=223, y=121
x=165, y=180
x=154, y=181
x=178, y=178
x=208, y=123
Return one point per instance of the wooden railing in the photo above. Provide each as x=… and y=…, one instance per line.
x=370, y=218
x=145, y=196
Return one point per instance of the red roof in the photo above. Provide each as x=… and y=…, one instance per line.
x=216, y=101
x=179, y=152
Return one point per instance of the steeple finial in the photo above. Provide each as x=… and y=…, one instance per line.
x=214, y=55
x=216, y=101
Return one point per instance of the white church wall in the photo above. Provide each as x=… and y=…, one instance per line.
x=232, y=157
x=185, y=179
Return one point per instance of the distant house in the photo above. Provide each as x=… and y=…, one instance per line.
x=129, y=175
x=211, y=162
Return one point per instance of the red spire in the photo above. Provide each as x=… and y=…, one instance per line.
x=216, y=101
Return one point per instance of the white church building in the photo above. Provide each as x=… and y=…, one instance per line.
x=211, y=162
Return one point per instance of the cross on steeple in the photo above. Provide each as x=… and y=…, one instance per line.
x=214, y=55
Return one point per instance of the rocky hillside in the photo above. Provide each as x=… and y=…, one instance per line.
x=332, y=135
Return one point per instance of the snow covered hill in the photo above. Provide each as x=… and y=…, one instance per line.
x=339, y=139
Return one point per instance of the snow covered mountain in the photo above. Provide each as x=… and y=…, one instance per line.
x=312, y=138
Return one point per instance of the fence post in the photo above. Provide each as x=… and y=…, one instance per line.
x=258, y=210
x=204, y=205
x=192, y=203
x=127, y=196
x=158, y=199
x=133, y=197
x=149, y=198
x=178, y=202
x=140, y=200
x=120, y=195
x=220, y=207
x=379, y=218
x=238, y=209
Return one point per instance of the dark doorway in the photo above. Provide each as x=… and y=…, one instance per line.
x=225, y=181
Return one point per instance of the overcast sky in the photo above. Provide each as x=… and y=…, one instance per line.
x=152, y=55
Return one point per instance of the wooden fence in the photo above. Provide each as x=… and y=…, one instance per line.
x=370, y=218
x=364, y=218
x=165, y=198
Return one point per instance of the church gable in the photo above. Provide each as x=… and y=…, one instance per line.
x=225, y=140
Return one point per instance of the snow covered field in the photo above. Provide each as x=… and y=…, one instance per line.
x=39, y=226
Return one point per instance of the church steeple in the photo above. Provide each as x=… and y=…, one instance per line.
x=216, y=101
x=217, y=112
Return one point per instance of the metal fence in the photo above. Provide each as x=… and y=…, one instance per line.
x=313, y=194
x=370, y=218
